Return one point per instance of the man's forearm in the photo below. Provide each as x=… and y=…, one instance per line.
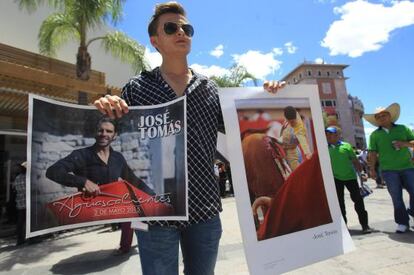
x=60, y=175
x=357, y=165
x=372, y=159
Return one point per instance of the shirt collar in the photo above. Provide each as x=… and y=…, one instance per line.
x=392, y=125
x=336, y=144
x=195, y=81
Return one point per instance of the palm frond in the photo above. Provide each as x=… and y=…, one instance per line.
x=126, y=49
x=238, y=75
x=114, y=9
x=55, y=30
x=95, y=13
x=32, y=5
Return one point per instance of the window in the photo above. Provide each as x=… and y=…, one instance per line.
x=309, y=73
x=328, y=103
x=323, y=103
x=334, y=102
x=300, y=75
x=328, y=73
x=326, y=88
x=319, y=73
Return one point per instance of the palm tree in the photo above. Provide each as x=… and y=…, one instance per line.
x=73, y=21
x=238, y=75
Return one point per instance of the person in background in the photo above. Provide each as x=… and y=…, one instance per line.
x=344, y=166
x=389, y=146
x=19, y=184
x=222, y=179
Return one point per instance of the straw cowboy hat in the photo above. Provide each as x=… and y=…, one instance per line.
x=393, y=110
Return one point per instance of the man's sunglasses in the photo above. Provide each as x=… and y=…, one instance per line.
x=171, y=28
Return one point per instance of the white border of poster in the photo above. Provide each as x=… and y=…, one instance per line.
x=285, y=252
x=170, y=153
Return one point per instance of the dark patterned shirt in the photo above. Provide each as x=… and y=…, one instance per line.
x=204, y=119
x=85, y=164
x=20, y=186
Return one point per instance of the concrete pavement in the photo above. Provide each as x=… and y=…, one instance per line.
x=89, y=250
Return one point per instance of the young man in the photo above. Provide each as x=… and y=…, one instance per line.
x=389, y=145
x=344, y=163
x=171, y=34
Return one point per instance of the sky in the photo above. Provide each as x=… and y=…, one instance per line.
x=270, y=38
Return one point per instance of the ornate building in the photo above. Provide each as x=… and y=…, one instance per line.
x=338, y=106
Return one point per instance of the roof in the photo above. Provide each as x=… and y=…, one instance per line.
x=23, y=72
x=307, y=64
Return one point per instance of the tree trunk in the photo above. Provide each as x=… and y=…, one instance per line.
x=83, y=69
x=83, y=63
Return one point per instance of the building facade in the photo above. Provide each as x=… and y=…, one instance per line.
x=339, y=108
x=23, y=72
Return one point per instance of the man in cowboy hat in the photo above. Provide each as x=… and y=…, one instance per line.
x=389, y=145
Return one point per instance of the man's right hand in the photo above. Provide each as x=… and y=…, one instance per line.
x=91, y=187
x=111, y=105
x=273, y=86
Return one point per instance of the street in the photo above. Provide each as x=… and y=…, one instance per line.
x=90, y=250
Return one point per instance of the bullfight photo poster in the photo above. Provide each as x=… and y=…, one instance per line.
x=284, y=189
x=85, y=168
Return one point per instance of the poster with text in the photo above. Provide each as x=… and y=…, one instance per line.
x=285, y=193
x=87, y=169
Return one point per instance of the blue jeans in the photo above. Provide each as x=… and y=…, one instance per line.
x=158, y=248
x=396, y=181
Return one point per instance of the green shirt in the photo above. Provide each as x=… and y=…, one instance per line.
x=342, y=155
x=380, y=141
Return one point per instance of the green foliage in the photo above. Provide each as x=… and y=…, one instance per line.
x=73, y=21
x=237, y=77
x=126, y=49
x=55, y=31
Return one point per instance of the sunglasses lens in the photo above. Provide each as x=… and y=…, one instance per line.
x=188, y=30
x=170, y=28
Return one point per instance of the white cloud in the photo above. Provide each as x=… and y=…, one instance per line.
x=210, y=70
x=365, y=26
x=218, y=51
x=368, y=130
x=290, y=47
x=277, y=51
x=258, y=64
x=319, y=60
x=154, y=59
